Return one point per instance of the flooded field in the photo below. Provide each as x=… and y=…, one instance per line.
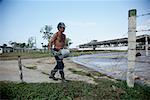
x=115, y=64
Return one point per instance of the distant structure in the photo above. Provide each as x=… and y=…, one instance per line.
x=116, y=44
x=4, y=49
x=1, y=50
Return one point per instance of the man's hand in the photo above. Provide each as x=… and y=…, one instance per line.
x=49, y=47
x=51, y=50
x=55, y=53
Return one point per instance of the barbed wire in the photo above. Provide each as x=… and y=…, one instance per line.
x=144, y=30
x=117, y=63
x=143, y=14
x=144, y=10
x=119, y=59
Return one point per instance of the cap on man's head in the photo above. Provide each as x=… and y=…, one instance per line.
x=61, y=24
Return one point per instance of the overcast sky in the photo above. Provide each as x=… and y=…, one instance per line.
x=86, y=20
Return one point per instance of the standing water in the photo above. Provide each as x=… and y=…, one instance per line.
x=115, y=64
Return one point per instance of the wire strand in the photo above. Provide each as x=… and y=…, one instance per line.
x=143, y=14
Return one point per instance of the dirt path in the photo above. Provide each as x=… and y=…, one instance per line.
x=9, y=70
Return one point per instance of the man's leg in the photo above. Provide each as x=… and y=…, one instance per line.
x=61, y=71
x=52, y=75
x=62, y=74
x=53, y=72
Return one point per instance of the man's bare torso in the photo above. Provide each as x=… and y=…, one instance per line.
x=59, y=40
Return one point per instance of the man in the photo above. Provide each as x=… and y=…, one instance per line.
x=58, y=41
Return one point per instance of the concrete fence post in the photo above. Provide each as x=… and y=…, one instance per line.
x=20, y=69
x=146, y=45
x=131, y=47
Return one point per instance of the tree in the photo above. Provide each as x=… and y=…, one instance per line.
x=4, y=45
x=46, y=30
x=44, y=46
x=13, y=44
x=68, y=42
x=31, y=42
x=18, y=45
x=22, y=45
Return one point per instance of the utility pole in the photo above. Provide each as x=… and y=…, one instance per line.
x=131, y=47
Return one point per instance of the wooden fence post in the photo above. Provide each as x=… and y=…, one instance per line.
x=20, y=69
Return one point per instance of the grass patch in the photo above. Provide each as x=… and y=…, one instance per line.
x=24, y=55
x=79, y=53
x=98, y=74
x=38, y=54
x=73, y=90
x=89, y=74
x=45, y=73
x=87, y=52
x=34, y=67
x=80, y=72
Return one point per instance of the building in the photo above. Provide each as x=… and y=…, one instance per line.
x=116, y=44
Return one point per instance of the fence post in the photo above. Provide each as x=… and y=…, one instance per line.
x=146, y=45
x=20, y=68
x=131, y=47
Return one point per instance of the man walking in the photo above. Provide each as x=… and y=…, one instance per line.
x=58, y=41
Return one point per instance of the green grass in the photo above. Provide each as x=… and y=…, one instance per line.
x=89, y=74
x=79, y=72
x=45, y=73
x=31, y=67
x=73, y=90
x=79, y=53
x=36, y=54
x=24, y=55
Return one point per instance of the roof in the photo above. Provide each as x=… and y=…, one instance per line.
x=140, y=38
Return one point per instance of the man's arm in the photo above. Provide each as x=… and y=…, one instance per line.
x=65, y=41
x=51, y=42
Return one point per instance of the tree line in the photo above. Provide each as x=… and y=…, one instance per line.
x=47, y=34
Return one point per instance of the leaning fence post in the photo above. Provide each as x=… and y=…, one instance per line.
x=20, y=68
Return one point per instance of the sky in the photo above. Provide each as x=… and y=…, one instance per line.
x=86, y=20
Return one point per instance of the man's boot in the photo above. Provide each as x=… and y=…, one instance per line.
x=62, y=76
x=52, y=75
